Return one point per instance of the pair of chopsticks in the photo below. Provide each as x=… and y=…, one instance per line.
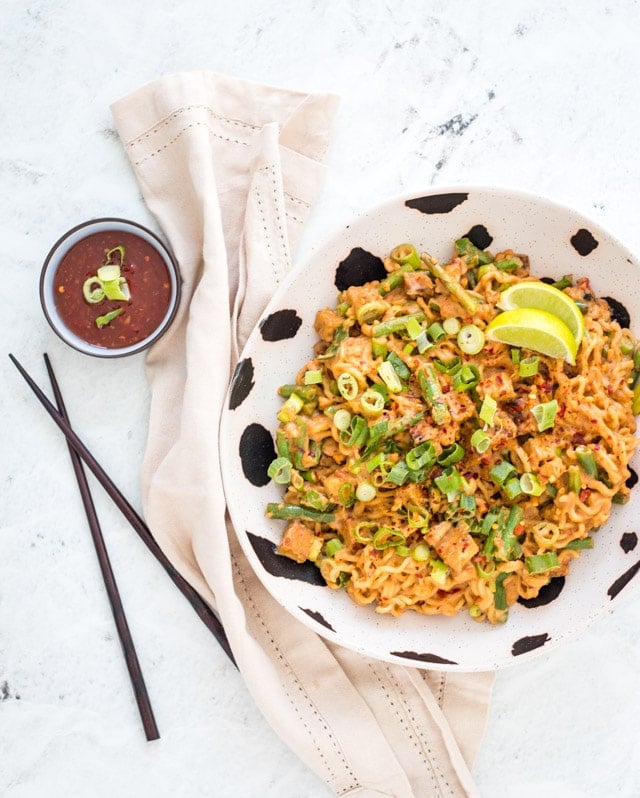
x=79, y=453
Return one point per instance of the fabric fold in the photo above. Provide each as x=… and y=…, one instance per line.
x=231, y=169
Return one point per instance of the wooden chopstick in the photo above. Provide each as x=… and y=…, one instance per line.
x=128, y=647
x=203, y=610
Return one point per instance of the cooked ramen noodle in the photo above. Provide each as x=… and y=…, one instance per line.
x=427, y=467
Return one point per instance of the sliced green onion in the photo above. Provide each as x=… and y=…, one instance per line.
x=480, y=441
x=342, y=419
x=406, y=254
x=372, y=402
x=109, y=254
x=515, y=356
x=436, y=332
x=470, y=339
x=421, y=552
x=448, y=366
x=439, y=572
x=346, y=494
x=290, y=408
x=280, y=471
x=467, y=378
x=488, y=409
x=501, y=472
x=365, y=492
x=423, y=343
x=92, y=290
x=312, y=377
x=107, y=274
x=449, y=483
x=399, y=473
x=378, y=348
x=399, y=366
x=389, y=376
x=417, y=516
x=403, y=551
x=102, y=321
x=387, y=538
x=575, y=482
x=539, y=563
x=545, y=414
x=421, y=456
x=370, y=312
x=333, y=546
x=348, y=386
x=451, y=325
x=450, y=455
x=580, y=543
x=530, y=484
x=414, y=328
x=528, y=366
x=356, y=433
x=512, y=488
x=468, y=504
x=375, y=462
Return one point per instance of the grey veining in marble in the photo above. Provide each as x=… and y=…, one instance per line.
x=541, y=96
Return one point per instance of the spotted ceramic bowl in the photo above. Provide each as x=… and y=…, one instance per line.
x=559, y=241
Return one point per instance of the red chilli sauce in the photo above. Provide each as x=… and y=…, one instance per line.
x=145, y=273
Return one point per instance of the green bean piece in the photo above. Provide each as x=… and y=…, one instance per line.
x=287, y=512
x=474, y=256
x=398, y=324
x=468, y=302
x=432, y=393
x=587, y=460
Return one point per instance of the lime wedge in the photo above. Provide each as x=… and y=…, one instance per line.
x=534, y=329
x=545, y=297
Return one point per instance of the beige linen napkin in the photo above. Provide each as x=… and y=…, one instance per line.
x=230, y=169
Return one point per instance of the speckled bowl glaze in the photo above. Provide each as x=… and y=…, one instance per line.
x=60, y=249
x=559, y=241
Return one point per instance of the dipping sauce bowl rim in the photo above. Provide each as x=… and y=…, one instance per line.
x=55, y=257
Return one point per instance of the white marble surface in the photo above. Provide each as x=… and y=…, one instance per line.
x=538, y=95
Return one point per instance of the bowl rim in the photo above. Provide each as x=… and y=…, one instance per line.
x=116, y=223
x=305, y=258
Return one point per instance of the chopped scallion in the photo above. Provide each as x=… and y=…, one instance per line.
x=545, y=414
x=539, y=563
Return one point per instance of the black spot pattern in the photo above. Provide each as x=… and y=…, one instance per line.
x=242, y=383
x=622, y=581
x=479, y=236
x=318, y=618
x=583, y=242
x=618, y=311
x=529, y=643
x=548, y=280
x=256, y=453
x=278, y=565
x=280, y=325
x=632, y=479
x=358, y=268
x=423, y=657
x=437, y=203
x=628, y=542
x=547, y=594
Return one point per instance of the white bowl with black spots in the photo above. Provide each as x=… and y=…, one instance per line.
x=558, y=241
